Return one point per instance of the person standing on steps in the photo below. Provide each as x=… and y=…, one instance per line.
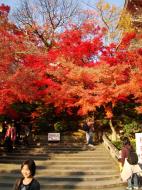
x=10, y=137
x=129, y=164
x=126, y=148
x=131, y=170
x=27, y=182
x=91, y=134
x=85, y=128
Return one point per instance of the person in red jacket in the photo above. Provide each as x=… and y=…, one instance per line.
x=125, y=150
x=126, y=166
x=10, y=137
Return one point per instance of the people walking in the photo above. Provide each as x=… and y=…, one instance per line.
x=91, y=135
x=86, y=129
x=131, y=170
x=27, y=182
x=27, y=135
x=10, y=137
x=129, y=164
x=125, y=150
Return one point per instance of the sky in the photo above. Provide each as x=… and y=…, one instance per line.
x=14, y=3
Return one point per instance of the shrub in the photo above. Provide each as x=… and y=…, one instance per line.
x=131, y=128
x=117, y=144
x=60, y=126
x=133, y=143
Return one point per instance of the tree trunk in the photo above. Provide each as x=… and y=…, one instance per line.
x=114, y=134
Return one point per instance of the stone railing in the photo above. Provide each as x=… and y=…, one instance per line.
x=111, y=148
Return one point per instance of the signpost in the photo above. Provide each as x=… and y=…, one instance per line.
x=53, y=137
x=138, y=137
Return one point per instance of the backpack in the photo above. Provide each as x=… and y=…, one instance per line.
x=132, y=157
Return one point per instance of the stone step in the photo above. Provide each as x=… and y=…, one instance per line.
x=56, y=161
x=72, y=184
x=44, y=153
x=94, y=175
x=44, y=179
x=48, y=159
x=59, y=146
x=63, y=168
x=81, y=167
x=41, y=170
x=55, y=157
x=77, y=188
x=45, y=164
x=54, y=150
x=22, y=148
x=58, y=156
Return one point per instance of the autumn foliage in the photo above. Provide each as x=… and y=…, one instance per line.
x=78, y=71
x=17, y=78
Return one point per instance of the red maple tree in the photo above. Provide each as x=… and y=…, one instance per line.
x=79, y=70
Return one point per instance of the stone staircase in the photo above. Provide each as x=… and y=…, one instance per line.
x=63, y=166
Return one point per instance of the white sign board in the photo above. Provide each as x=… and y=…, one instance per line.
x=53, y=136
x=138, y=137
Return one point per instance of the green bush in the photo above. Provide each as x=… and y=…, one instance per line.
x=119, y=144
x=60, y=126
x=131, y=128
x=133, y=143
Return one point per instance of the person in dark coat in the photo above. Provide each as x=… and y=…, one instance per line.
x=86, y=129
x=27, y=182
